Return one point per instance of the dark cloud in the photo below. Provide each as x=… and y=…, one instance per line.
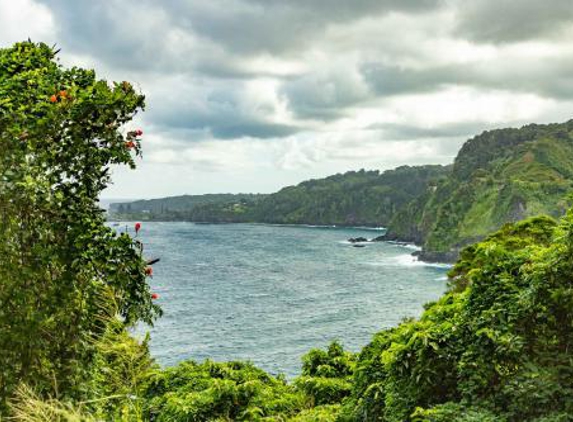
x=278, y=26
x=141, y=33
x=550, y=78
x=324, y=96
x=221, y=112
x=387, y=80
x=503, y=21
x=213, y=47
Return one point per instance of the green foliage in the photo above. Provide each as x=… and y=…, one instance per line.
x=453, y=412
x=327, y=413
x=520, y=236
x=219, y=391
x=499, y=176
x=353, y=198
x=495, y=348
x=121, y=369
x=26, y=406
x=327, y=375
x=203, y=208
x=63, y=273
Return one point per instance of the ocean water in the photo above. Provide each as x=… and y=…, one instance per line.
x=269, y=294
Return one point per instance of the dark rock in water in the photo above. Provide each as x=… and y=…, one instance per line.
x=379, y=238
x=415, y=237
x=359, y=246
x=357, y=239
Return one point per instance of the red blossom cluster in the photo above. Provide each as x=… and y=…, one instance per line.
x=132, y=135
x=148, y=270
x=62, y=95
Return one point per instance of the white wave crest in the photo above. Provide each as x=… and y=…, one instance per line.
x=408, y=260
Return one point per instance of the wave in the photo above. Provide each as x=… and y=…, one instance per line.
x=346, y=242
x=408, y=260
x=377, y=229
x=322, y=226
x=403, y=245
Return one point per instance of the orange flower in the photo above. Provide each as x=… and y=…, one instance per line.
x=53, y=99
x=149, y=271
x=63, y=94
x=130, y=144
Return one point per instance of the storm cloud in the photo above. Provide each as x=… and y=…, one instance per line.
x=303, y=88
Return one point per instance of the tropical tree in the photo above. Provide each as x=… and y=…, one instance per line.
x=64, y=275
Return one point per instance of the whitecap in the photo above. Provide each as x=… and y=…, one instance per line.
x=347, y=242
x=408, y=260
x=404, y=245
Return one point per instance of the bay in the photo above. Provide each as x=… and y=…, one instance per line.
x=268, y=294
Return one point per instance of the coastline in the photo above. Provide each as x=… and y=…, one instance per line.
x=430, y=257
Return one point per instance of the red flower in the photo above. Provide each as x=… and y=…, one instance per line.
x=149, y=271
x=154, y=296
x=138, y=132
x=130, y=144
x=53, y=99
x=137, y=227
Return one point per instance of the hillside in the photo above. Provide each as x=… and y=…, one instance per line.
x=499, y=176
x=353, y=198
x=178, y=207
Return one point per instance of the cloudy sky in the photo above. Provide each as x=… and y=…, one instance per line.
x=253, y=95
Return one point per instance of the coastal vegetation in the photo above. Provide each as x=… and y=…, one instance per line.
x=193, y=207
x=495, y=348
x=499, y=176
x=354, y=198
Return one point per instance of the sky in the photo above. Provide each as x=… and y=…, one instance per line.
x=254, y=95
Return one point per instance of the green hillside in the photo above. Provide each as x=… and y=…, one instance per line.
x=353, y=198
x=499, y=176
x=180, y=207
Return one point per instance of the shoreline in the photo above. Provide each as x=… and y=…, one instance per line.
x=421, y=255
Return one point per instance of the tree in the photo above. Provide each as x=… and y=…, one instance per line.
x=64, y=275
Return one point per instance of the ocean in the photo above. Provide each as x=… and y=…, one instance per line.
x=270, y=293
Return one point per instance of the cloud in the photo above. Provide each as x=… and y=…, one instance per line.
x=227, y=110
x=269, y=92
x=278, y=27
x=506, y=21
x=23, y=19
x=325, y=95
x=403, y=131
